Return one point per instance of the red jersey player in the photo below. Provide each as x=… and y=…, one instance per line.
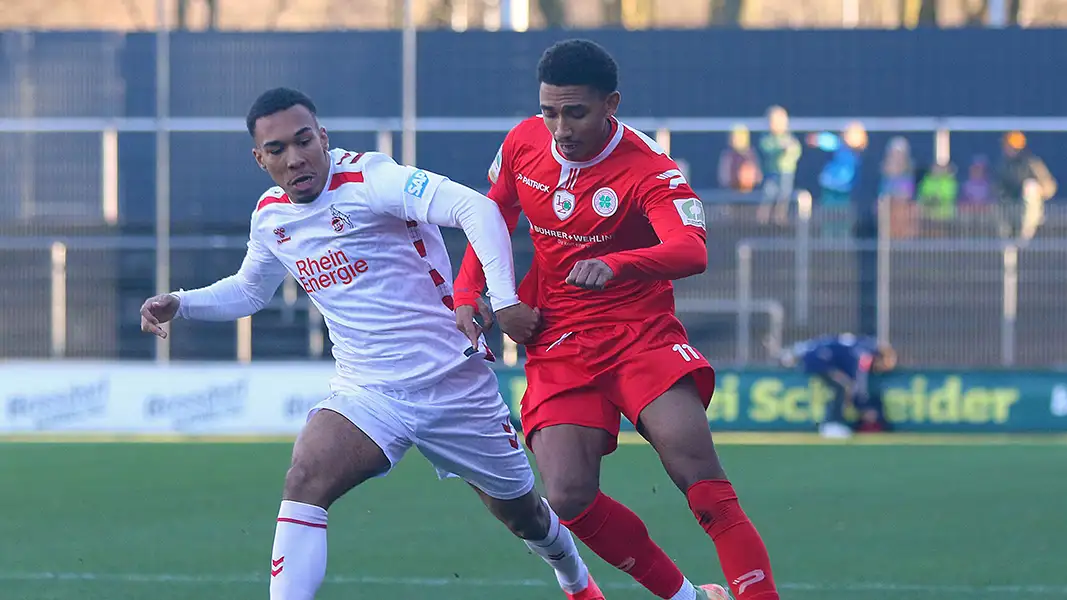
x=613, y=221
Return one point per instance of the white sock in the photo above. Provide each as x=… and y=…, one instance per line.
x=687, y=592
x=298, y=561
x=561, y=554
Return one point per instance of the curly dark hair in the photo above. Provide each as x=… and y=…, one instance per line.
x=579, y=62
x=274, y=101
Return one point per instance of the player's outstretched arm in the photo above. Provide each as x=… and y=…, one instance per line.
x=470, y=281
x=417, y=195
x=239, y=295
x=490, y=243
x=455, y=205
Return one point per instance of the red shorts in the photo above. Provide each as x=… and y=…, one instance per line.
x=593, y=376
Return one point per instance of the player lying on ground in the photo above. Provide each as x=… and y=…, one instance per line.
x=360, y=234
x=612, y=221
x=845, y=363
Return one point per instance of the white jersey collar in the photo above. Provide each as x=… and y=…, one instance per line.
x=612, y=144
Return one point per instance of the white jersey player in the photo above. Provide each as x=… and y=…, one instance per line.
x=360, y=235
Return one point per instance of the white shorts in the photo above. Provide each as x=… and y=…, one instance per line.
x=461, y=425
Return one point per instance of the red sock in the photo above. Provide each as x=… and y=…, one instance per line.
x=741, y=551
x=618, y=536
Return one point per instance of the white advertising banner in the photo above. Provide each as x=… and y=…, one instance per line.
x=146, y=398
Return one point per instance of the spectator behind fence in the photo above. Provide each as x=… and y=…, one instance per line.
x=738, y=165
x=840, y=176
x=937, y=197
x=1023, y=185
x=780, y=151
x=898, y=188
x=844, y=363
x=976, y=193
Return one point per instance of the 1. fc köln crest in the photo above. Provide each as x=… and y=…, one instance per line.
x=339, y=220
x=563, y=204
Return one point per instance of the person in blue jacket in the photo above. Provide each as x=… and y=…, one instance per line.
x=839, y=178
x=845, y=363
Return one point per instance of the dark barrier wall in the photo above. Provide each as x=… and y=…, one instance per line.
x=480, y=74
x=676, y=73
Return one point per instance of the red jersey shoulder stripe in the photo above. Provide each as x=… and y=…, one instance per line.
x=264, y=202
x=344, y=177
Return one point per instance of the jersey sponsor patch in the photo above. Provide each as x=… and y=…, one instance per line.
x=417, y=182
x=691, y=210
x=494, y=169
x=605, y=202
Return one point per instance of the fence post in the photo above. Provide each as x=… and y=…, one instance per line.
x=316, y=340
x=942, y=145
x=109, y=175
x=1010, y=305
x=162, y=133
x=409, y=80
x=744, y=301
x=802, y=259
x=663, y=138
x=290, y=296
x=59, y=300
x=28, y=142
x=882, y=302
x=244, y=340
x=385, y=142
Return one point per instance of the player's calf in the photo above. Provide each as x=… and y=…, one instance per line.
x=676, y=426
x=527, y=516
x=568, y=457
x=330, y=457
x=531, y=519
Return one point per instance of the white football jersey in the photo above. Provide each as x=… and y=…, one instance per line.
x=379, y=275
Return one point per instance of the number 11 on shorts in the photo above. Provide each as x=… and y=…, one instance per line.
x=687, y=352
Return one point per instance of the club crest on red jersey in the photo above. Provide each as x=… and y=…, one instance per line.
x=605, y=202
x=563, y=204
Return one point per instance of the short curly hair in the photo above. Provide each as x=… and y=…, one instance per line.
x=579, y=62
x=275, y=101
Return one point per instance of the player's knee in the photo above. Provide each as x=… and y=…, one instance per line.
x=307, y=484
x=689, y=465
x=532, y=522
x=570, y=499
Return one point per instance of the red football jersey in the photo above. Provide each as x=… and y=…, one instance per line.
x=629, y=206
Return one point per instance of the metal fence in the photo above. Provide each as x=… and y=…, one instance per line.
x=946, y=301
x=102, y=204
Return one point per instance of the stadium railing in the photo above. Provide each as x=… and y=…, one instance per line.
x=779, y=302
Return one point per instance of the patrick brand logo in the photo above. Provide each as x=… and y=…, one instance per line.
x=332, y=268
x=537, y=185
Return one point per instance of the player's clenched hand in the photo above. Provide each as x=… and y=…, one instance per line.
x=519, y=321
x=156, y=311
x=466, y=323
x=591, y=274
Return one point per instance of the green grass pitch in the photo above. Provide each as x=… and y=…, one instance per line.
x=186, y=521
